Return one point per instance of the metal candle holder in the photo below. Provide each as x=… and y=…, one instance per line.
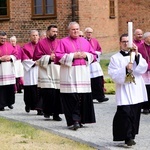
x=129, y=76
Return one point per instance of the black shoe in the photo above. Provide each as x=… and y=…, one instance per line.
x=11, y=107
x=40, y=112
x=133, y=142
x=81, y=125
x=76, y=126
x=130, y=142
x=57, y=118
x=27, y=109
x=46, y=115
x=145, y=111
x=2, y=109
x=103, y=100
x=71, y=127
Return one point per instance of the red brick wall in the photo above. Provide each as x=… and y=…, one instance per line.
x=95, y=14
x=21, y=23
x=137, y=11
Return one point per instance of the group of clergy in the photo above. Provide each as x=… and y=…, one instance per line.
x=57, y=74
x=64, y=76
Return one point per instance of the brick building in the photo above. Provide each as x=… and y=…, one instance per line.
x=136, y=11
x=108, y=18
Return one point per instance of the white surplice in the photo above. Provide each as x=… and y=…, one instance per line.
x=128, y=93
x=7, y=72
x=19, y=72
x=30, y=73
x=95, y=67
x=49, y=74
x=75, y=79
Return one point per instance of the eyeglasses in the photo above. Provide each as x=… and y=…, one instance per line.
x=89, y=32
x=124, y=42
x=81, y=36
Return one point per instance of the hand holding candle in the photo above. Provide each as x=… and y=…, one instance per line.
x=130, y=34
x=130, y=76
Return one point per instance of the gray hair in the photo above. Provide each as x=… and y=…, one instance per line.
x=72, y=23
x=13, y=38
x=88, y=28
x=33, y=31
x=146, y=34
x=43, y=32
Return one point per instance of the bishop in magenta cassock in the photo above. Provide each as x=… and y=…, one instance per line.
x=144, y=49
x=49, y=74
x=75, y=54
x=97, y=76
x=31, y=93
x=8, y=56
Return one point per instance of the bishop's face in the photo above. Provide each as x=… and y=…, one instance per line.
x=13, y=42
x=34, y=37
x=138, y=35
x=3, y=39
x=147, y=40
x=52, y=33
x=88, y=34
x=124, y=43
x=74, y=31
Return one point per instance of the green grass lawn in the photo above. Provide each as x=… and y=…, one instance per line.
x=109, y=84
x=20, y=136
x=104, y=64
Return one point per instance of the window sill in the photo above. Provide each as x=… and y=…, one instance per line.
x=4, y=19
x=112, y=17
x=43, y=17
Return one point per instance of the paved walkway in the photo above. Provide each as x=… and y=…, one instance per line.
x=107, y=55
x=98, y=135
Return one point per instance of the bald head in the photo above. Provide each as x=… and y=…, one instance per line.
x=138, y=35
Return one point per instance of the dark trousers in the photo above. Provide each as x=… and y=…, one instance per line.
x=52, y=104
x=31, y=96
x=78, y=107
x=97, y=86
x=7, y=95
x=146, y=105
x=126, y=122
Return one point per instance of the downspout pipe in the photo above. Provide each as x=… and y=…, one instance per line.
x=73, y=9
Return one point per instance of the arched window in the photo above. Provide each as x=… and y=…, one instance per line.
x=4, y=10
x=43, y=9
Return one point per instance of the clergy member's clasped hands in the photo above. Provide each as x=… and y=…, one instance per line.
x=79, y=55
x=5, y=58
x=52, y=56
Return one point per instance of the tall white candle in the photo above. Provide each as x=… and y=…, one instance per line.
x=130, y=34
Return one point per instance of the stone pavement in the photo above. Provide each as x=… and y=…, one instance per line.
x=98, y=135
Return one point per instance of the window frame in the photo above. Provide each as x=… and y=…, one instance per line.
x=44, y=16
x=6, y=17
x=112, y=9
